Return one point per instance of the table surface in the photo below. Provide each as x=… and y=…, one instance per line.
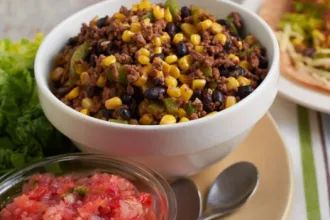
x=304, y=131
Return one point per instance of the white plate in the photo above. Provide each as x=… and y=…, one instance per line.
x=304, y=96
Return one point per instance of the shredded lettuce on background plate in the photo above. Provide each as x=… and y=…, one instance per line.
x=25, y=133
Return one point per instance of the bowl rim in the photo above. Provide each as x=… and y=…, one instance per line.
x=7, y=179
x=45, y=89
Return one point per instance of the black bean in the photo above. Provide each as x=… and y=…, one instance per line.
x=161, y=55
x=98, y=48
x=90, y=91
x=153, y=93
x=206, y=97
x=124, y=114
x=208, y=107
x=263, y=62
x=181, y=49
x=178, y=26
x=225, y=72
x=72, y=41
x=223, y=22
x=171, y=29
x=62, y=91
x=106, y=113
x=197, y=94
x=159, y=82
x=228, y=45
x=244, y=91
x=234, y=34
x=239, y=71
x=126, y=99
x=102, y=22
x=91, y=59
x=185, y=12
x=309, y=52
x=217, y=96
x=132, y=107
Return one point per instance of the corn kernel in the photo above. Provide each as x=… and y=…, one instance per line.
x=127, y=36
x=141, y=81
x=185, y=79
x=74, y=93
x=101, y=81
x=244, y=64
x=182, y=113
x=221, y=38
x=171, y=81
x=120, y=16
x=135, y=27
x=135, y=7
x=206, y=24
x=171, y=59
x=145, y=5
x=84, y=78
x=144, y=52
x=174, y=71
x=166, y=68
x=147, y=69
x=198, y=84
x=240, y=45
x=250, y=39
x=159, y=13
x=159, y=74
x=167, y=119
x=143, y=59
x=230, y=101
x=188, y=29
x=168, y=16
x=165, y=37
x=84, y=111
x=178, y=38
x=78, y=68
x=146, y=119
x=184, y=119
x=107, y=61
x=243, y=81
x=158, y=50
x=56, y=74
x=195, y=39
x=199, y=49
x=211, y=113
x=113, y=103
x=216, y=28
x=87, y=103
x=146, y=21
x=126, y=25
x=233, y=57
x=232, y=83
x=157, y=42
x=185, y=63
x=186, y=92
x=174, y=92
x=318, y=35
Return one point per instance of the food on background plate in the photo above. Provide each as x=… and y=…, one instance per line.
x=96, y=196
x=25, y=133
x=158, y=64
x=303, y=31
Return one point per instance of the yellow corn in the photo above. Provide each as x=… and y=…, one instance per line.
x=146, y=119
x=157, y=42
x=127, y=36
x=174, y=92
x=171, y=81
x=221, y=38
x=216, y=28
x=184, y=119
x=144, y=52
x=240, y=45
x=178, y=38
x=199, y=49
x=147, y=21
x=195, y=39
x=143, y=59
x=232, y=83
x=101, y=81
x=79, y=68
x=158, y=50
x=74, y=93
x=126, y=25
x=198, y=84
x=135, y=27
x=244, y=64
x=167, y=119
x=318, y=35
x=166, y=68
x=84, y=111
x=142, y=80
x=87, y=103
x=135, y=7
x=56, y=74
x=174, y=71
x=159, y=74
x=145, y=5
x=243, y=81
x=185, y=63
x=188, y=29
x=182, y=113
x=230, y=101
x=233, y=57
x=120, y=16
x=165, y=37
x=168, y=15
x=297, y=41
x=206, y=24
x=113, y=103
x=107, y=61
x=211, y=113
x=147, y=69
x=171, y=59
x=250, y=39
x=185, y=79
x=186, y=92
x=84, y=78
x=159, y=13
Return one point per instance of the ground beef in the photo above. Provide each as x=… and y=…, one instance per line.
x=253, y=61
x=123, y=58
x=133, y=73
x=204, y=60
x=237, y=19
x=139, y=39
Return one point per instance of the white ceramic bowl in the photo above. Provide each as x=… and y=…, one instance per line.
x=171, y=150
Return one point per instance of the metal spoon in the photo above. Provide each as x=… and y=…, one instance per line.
x=231, y=189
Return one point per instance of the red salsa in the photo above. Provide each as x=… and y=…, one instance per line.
x=100, y=196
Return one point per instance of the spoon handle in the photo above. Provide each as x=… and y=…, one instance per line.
x=215, y=213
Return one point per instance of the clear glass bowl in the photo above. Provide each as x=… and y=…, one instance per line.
x=143, y=178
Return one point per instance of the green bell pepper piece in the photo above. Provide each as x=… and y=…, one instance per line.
x=190, y=108
x=148, y=15
x=174, y=7
x=122, y=75
x=207, y=71
x=155, y=108
x=171, y=106
x=79, y=54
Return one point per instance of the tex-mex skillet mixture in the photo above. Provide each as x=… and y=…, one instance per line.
x=158, y=64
